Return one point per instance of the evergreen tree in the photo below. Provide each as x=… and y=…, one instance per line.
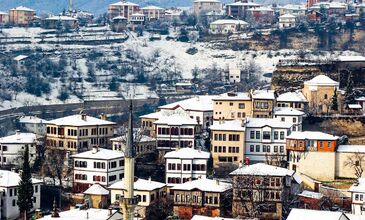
x=25, y=189
x=334, y=103
x=350, y=95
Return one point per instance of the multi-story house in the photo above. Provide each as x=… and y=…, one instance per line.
x=294, y=100
x=78, y=133
x=33, y=124
x=263, y=103
x=232, y=105
x=200, y=7
x=227, y=26
x=319, y=92
x=144, y=144
x=238, y=9
x=148, y=120
x=265, y=15
x=175, y=131
x=201, y=197
x=266, y=139
x=9, y=182
x=13, y=146
x=261, y=190
x=358, y=197
x=21, y=16
x=290, y=115
x=227, y=143
x=185, y=164
x=287, y=21
x=4, y=18
x=153, y=13
x=149, y=193
x=122, y=8
x=98, y=165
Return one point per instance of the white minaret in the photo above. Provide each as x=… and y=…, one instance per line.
x=129, y=201
x=70, y=6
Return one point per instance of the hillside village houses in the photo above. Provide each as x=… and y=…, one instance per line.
x=33, y=124
x=9, y=182
x=21, y=16
x=98, y=165
x=78, y=133
x=201, y=197
x=287, y=21
x=263, y=187
x=203, y=6
x=149, y=193
x=153, y=12
x=290, y=115
x=238, y=9
x=227, y=26
x=4, y=18
x=357, y=197
x=13, y=146
x=122, y=8
x=185, y=164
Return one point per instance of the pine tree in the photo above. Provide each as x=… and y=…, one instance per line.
x=25, y=189
x=349, y=95
x=334, y=103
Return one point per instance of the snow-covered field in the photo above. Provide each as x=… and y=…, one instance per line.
x=206, y=57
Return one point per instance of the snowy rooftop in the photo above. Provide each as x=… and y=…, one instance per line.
x=270, y=122
x=360, y=98
x=263, y=94
x=260, y=9
x=287, y=111
x=293, y=7
x=351, y=58
x=84, y=214
x=216, y=1
x=176, y=119
x=32, y=120
x=152, y=7
x=234, y=125
x=153, y=115
x=287, y=16
x=122, y=3
x=305, y=214
x=19, y=138
x=10, y=179
x=76, y=120
x=143, y=138
x=351, y=148
x=243, y=4
x=261, y=169
x=3, y=13
x=21, y=8
x=321, y=80
x=139, y=184
x=229, y=21
x=354, y=106
x=206, y=185
x=96, y=189
x=310, y=194
x=233, y=96
x=119, y=18
x=101, y=154
x=358, y=187
x=198, y=103
x=311, y=135
x=61, y=18
x=292, y=97
x=202, y=217
x=187, y=153
x=20, y=57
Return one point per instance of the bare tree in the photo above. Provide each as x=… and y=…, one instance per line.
x=356, y=161
x=276, y=159
x=55, y=165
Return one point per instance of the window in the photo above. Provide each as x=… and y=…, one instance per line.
x=34, y=199
x=275, y=149
x=252, y=148
x=10, y=192
x=325, y=96
x=282, y=135
x=36, y=189
x=252, y=134
x=266, y=135
x=276, y=135
x=282, y=119
x=281, y=149
x=321, y=144
x=258, y=135
x=257, y=148
x=294, y=120
x=231, y=104
x=241, y=105
x=357, y=197
x=5, y=148
x=14, y=202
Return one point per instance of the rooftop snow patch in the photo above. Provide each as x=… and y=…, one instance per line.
x=11, y=179
x=101, y=154
x=61, y=18
x=233, y=96
x=229, y=21
x=19, y=138
x=234, y=125
x=122, y=3
x=359, y=186
x=305, y=214
x=261, y=169
x=351, y=58
x=198, y=103
x=291, y=97
x=263, y=122
x=20, y=57
x=351, y=149
x=84, y=214
x=310, y=194
x=187, y=153
x=139, y=184
x=206, y=185
x=21, y=8
x=263, y=94
x=32, y=120
x=176, y=119
x=287, y=111
x=96, y=189
x=76, y=120
x=152, y=7
x=321, y=80
x=311, y=135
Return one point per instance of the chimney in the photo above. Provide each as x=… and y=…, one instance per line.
x=87, y=215
x=17, y=132
x=110, y=210
x=217, y=181
x=149, y=179
x=83, y=115
x=247, y=161
x=103, y=117
x=240, y=164
x=95, y=149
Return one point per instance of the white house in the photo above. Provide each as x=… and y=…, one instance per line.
x=304, y=214
x=9, y=182
x=33, y=124
x=199, y=108
x=174, y=131
x=226, y=26
x=98, y=165
x=148, y=191
x=287, y=21
x=185, y=164
x=358, y=197
x=11, y=148
x=292, y=99
x=290, y=115
x=266, y=137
